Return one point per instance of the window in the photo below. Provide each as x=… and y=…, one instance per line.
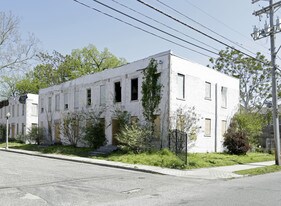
x=181, y=86
x=157, y=127
x=65, y=101
x=13, y=110
x=49, y=104
x=18, y=110
x=89, y=97
x=57, y=102
x=23, y=108
x=76, y=99
x=22, y=128
x=223, y=127
x=34, y=109
x=1, y=113
x=42, y=105
x=117, y=89
x=207, y=127
x=102, y=94
x=208, y=90
x=224, y=97
x=17, y=128
x=134, y=89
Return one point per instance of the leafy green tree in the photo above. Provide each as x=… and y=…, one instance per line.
x=251, y=124
x=151, y=92
x=56, y=68
x=254, y=76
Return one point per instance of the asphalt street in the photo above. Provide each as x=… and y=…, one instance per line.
x=31, y=180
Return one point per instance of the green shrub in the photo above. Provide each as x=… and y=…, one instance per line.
x=35, y=134
x=95, y=134
x=134, y=138
x=235, y=140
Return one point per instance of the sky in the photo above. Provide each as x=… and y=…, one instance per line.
x=64, y=25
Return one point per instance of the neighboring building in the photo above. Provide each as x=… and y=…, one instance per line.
x=23, y=114
x=214, y=95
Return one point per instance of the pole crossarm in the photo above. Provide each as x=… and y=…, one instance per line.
x=267, y=9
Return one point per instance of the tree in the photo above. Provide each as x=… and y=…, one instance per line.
x=73, y=127
x=251, y=124
x=56, y=68
x=235, y=140
x=92, y=60
x=151, y=92
x=14, y=52
x=254, y=76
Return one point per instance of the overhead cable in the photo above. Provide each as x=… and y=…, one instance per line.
x=127, y=23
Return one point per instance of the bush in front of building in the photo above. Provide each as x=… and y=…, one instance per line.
x=95, y=134
x=35, y=135
x=134, y=138
x=236, y=140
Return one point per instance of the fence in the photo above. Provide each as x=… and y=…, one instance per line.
x=178, y=144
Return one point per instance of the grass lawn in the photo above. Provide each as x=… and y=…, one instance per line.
x=260, y=170
x=163, y=158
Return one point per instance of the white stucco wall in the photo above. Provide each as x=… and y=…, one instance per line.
x=169, y=66
x=23, y=116
x=195, y=77
x=124, y=74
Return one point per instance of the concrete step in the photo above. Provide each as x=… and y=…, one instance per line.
x=104, y=150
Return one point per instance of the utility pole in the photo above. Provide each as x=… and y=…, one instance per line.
x=271, y=30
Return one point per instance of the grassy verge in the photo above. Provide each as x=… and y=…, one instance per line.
x=163, y=158
x=260, y=170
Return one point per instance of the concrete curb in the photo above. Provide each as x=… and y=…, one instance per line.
x=104, y=163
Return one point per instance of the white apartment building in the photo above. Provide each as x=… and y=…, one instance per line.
x=23, y=116
x=215, y=97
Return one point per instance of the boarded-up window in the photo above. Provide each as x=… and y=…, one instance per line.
x=102, y=94
x=181, y=86
x=76, y=99
x=49, y=104
x=223, y=127
x=57, y=102
x=207, y=90
x=224, y=97
x=157, y=127
x=207, y=127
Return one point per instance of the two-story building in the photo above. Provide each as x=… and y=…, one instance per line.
x=23, y=114
x=215, y=97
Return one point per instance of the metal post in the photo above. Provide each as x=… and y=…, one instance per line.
x=7, y=132
x=274, y=89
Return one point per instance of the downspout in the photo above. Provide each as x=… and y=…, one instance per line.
x=216, y=116
x=169, y=100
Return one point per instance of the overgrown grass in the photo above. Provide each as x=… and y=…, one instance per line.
x=162, y=158
x=260, y=170
x=200, y=160
x=53, y=149
x=165, y=158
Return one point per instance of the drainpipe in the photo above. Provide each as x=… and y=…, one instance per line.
x=216, y=116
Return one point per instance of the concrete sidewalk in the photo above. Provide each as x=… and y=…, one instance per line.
x=224, y=172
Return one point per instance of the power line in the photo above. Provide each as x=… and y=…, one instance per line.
x=127, y=23
x=165, y=25
x=142, y=22
x=197, y=30
x=222, y=23
x=205, y=27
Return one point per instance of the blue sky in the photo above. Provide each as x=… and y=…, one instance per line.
x=63, y=25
